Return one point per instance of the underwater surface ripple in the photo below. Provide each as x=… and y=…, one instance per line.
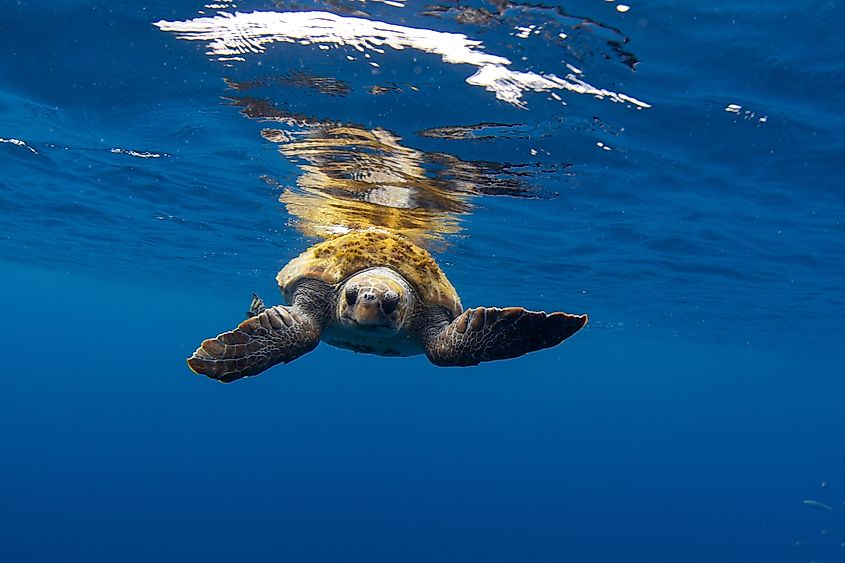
x=645, y=216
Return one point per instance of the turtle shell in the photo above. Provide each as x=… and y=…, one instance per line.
x=336, y=259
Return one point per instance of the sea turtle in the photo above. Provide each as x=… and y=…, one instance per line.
x=376, y=292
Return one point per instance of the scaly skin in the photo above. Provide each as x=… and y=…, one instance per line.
x=278, y=334
x=485, y=334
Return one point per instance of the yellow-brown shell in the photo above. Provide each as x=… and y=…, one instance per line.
x=336, y=259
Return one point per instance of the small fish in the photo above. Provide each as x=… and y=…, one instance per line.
x=824, y=484
x=799, y=543
x=829, y=531
x=817, y=504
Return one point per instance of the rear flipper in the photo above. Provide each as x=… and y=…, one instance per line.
x=275, y=335
x=486, y=334
x=256, y=307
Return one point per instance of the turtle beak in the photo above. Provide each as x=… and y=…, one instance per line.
x=366, y=310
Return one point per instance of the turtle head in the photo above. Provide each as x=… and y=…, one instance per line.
x=375, y=298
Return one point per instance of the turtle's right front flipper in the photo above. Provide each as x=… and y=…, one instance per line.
x=486, y=334
x=276, y=335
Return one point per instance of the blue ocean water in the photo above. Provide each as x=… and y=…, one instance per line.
x=671, y=169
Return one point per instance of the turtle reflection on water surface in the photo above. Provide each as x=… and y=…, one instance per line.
x=375, y=292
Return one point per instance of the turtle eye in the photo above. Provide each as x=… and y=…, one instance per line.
x=389, y=302
x=351, y=294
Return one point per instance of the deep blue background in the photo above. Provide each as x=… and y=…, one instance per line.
x=686, y=423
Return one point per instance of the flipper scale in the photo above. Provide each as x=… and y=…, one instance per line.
x=256, y=344
x=486, y=334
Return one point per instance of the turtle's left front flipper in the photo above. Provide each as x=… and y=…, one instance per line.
x=275, y=335
x=485, y=334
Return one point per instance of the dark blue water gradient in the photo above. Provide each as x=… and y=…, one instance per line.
x=686, y=423
x=611, y=448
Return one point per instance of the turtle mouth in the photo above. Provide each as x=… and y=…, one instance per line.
x=379, y=326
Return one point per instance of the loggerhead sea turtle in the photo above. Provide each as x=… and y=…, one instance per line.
x=375, y=292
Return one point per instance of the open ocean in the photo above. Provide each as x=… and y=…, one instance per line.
x=673, y=169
